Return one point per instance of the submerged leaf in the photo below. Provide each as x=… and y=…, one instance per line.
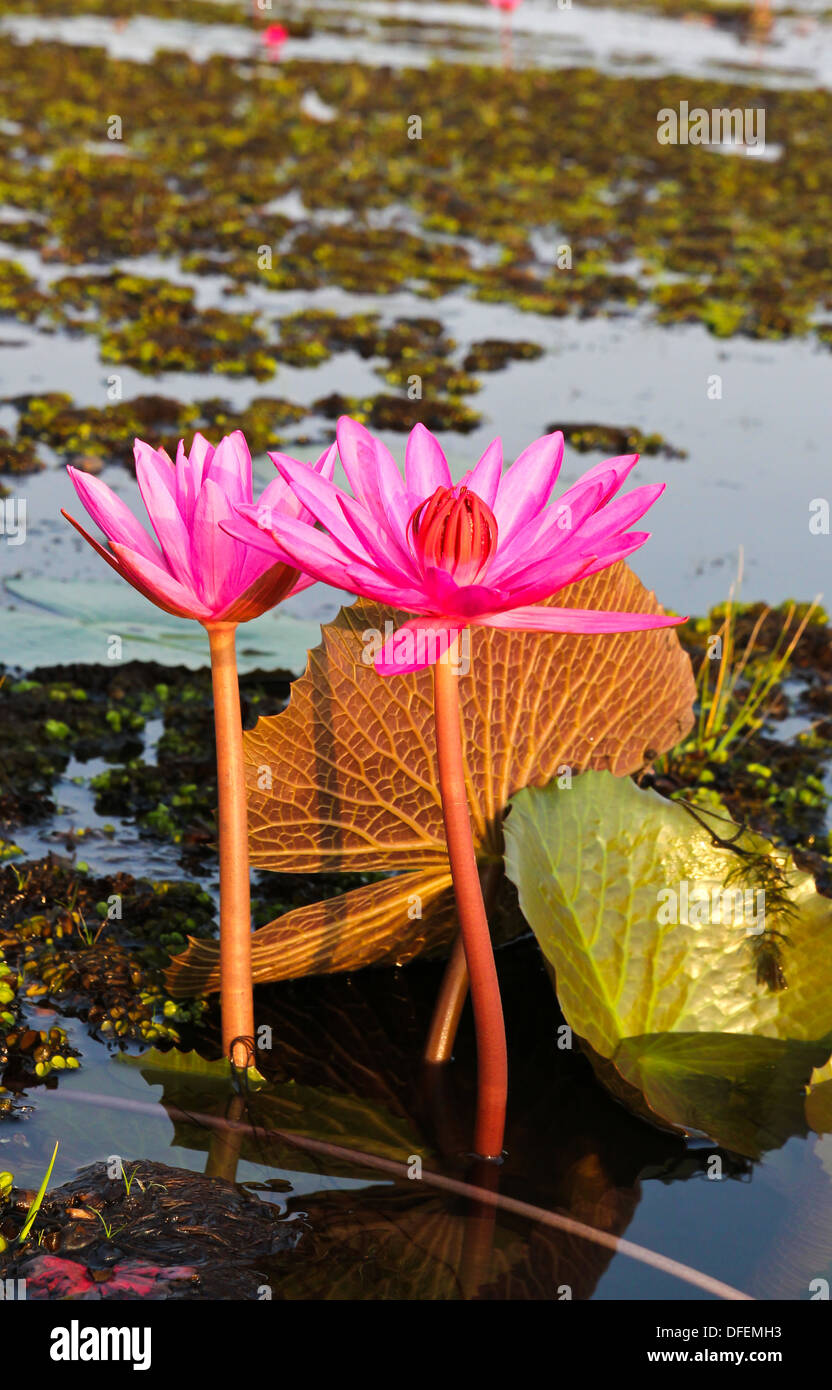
x=658, y=975
x=345, y=778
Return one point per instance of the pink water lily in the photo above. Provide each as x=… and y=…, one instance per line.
x=274, y=37
x=483, y=552
x=197, y=570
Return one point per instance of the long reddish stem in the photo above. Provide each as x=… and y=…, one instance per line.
x=453, y=991
x=492, y=1064
x=236, y=997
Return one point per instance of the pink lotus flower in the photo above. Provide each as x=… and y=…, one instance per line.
x=484, y=552
x=197, y=570
x=274, y=37
x=506, y=5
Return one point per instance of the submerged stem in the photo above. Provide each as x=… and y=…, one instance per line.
x=447, y=1011
x=236, y=997
x=492, y=1065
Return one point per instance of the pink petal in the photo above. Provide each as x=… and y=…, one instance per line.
x=590, y=517
x=373, y=475
x=278, y=492
x=326, y=463
x=611, y=472
x=230, y=468
x=545, y=536
x=321, y=498
x=155, y=461
x=96, y=545
x=305, y=581
x=186, y=485
x=278, y=496
x=379, y=547
x=112, y=515
x=454, y=600
x=586, y=620
x=394, y=498
x=426, y=467
x=158, y=584
x=217, y=556
x=358, y=458
x=543, y=581
x=200, y=457
x=417, y=643
x=157, y=486
x=270, y=586
x=609, y=552
x=254, y=537
x=524, y=490
x=309, y=550
x=356, y=579
x=484, y=478
x=155, y=585
x=618, y=515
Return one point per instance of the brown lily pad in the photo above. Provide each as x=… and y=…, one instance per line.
x=345, y=777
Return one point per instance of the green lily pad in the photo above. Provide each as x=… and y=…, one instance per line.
x=662, y=976
x=74, y=621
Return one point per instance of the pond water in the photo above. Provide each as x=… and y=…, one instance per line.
x=742, y=465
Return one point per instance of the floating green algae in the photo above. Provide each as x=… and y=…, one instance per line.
x=203, y=156
x=206, y=155
x=93, y=948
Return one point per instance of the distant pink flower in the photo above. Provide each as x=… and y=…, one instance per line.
x=196, y=570
x=484, y=552
x=275, y=36
x=507, y=5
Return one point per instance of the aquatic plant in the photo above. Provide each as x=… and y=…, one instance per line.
x=485, y=553
x=735, y=705
x=38, y=1199
x=198, y=571
x=725, y=714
